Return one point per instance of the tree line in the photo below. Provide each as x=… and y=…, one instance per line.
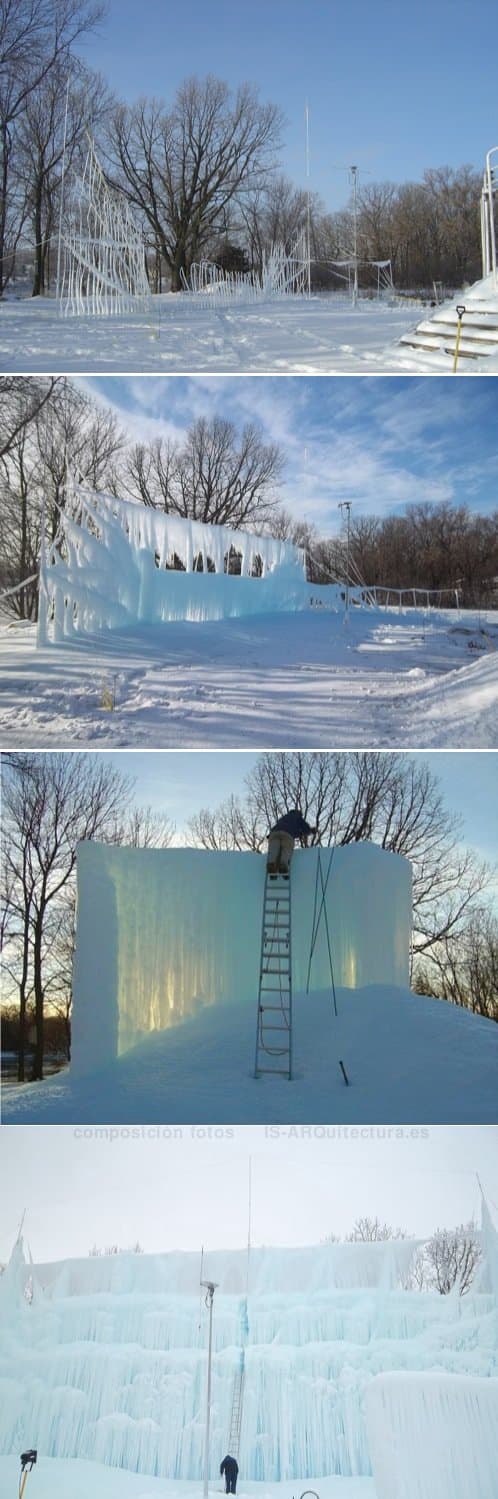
x=52, y=801
x=443, y=546
x=201, y=171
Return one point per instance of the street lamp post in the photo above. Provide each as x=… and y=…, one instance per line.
x=211, y=1287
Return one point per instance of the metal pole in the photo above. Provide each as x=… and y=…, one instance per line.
x=210, y=1288
x=308, y=210
x=354, y=176
x=346, y=505
x=59, y=246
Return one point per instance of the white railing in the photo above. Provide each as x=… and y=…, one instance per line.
x=488, y=230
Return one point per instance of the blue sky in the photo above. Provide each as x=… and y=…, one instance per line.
x=181, y=783
x=305, y=1184
x=391, y=87
x=380, y=442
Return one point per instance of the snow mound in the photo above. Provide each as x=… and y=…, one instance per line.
x=409, y=1059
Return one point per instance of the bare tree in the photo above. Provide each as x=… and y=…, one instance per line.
x=35, y=35
x=393, y=800
x=48, y=427
x=21, y=401
x=54, y=126
x=452, y=1257
x=466, y=972
x=184, y=168
x=217, y=474
x=52, y=802
x=372, y=1231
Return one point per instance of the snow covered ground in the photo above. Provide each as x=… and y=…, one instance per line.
x=321, y=336
x=409, y=1059
x=309, y=679
x=55, y=1478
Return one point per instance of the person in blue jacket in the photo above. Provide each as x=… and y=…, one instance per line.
x=281, y=840
x=230, y=1468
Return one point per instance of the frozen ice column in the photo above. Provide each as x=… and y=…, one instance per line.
x=433, y=1433
x=162, y=932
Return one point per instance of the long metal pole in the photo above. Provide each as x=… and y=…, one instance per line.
x=346, y=505
x=354, y=175
x=308, y=211
x=210, y=1287
x=59, y=246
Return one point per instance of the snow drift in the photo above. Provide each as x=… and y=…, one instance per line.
x=105, y=1359
x=161, y=933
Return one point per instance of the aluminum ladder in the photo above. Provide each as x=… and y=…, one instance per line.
x=274, y=1029
x=236, y=1415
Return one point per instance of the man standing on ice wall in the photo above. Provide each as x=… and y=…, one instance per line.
x=281, y=840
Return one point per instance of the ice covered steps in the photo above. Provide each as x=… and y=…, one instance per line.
x=438, y=334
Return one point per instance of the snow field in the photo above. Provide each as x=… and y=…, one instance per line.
x=323, y=335
x=383, y=680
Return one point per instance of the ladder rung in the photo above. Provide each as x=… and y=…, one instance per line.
x=278, y=1071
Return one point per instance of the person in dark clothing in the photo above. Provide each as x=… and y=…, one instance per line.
x=230, y=1468
x=281, y=840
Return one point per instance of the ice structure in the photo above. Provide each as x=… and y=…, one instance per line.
x=284, y=273
x=162, y=932
x=106, y=1359
x=433, y=1434
x=103, y=271
x=115, y=563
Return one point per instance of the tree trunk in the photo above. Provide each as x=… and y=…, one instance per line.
x=39, y=997
x=38, y=278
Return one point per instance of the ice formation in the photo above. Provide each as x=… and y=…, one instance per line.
x=433, y=1434
x=104, y=270
x=284, y=273
x=162, y=932
x=115, y=563
x=105, y=1359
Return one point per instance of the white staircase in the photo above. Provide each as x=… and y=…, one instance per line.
x=479, y=336
x=274, y=1028
x=479, y=323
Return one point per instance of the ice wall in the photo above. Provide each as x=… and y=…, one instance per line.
x=433, y=1434
x=108, y=1361
x=162, y=932
x=114, y=563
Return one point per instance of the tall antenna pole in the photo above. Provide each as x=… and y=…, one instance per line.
x=346, y=505
x=211, y=1287
x=308, y=207
x=59, y=245
x=354, y=180
x=249, y=1212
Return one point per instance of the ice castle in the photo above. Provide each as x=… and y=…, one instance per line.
x=105, y=1358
